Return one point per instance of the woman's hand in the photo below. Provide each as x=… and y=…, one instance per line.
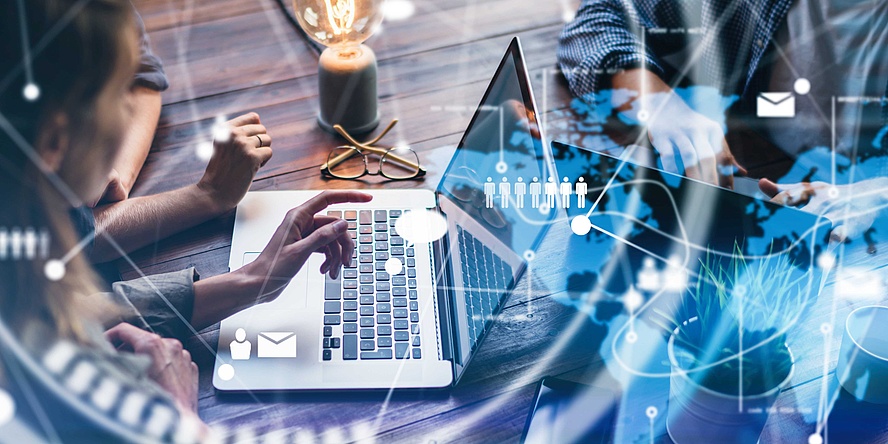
x=171, y=365
x=852, y=208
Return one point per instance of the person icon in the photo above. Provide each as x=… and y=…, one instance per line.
x=551, y=192
x=676, y=277
x=582, y=190
x=566, y=191
x=648, y=278
x=505, y=189
x=489, y=191
x=520, y=191
x=536, y=188
x=240, y=347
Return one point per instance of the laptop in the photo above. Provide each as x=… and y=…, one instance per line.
x=419, y=324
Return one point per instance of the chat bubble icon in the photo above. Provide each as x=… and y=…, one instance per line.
x=421, y=226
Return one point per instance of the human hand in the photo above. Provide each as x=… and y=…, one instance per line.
x=302, y=233
x=852, y=208
x=171, y=365
x=677, y=132
x=236, y=161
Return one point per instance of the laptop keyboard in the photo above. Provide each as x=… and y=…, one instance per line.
x=485, y=278
x=368, y=314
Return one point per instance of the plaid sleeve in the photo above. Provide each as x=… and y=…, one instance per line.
x=602, y=38
x=160, y=303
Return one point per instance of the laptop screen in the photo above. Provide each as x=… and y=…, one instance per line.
x=493, y=185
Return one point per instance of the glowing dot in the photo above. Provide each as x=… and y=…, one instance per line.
x=815, y=439
x=825, y=328
x=544, y=209
x=395, y=10
x=632, y=299
x=7, y=407
x=221, y=130
x=529, y=255
x=651, y=412
x=54, y=270
x=226, y=372
x=826, y=261
x=643, y=115
x=567, y=16
x=631, y=337
x=581, y=225
x=501, y=167
x=393, y=266
x=204, y=151
x=802, y=86
x=833, y=192
x=31, y=92
x=740, y=290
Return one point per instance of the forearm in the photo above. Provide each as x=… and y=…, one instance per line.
x=219, y=297
x=140, y=221
x=138, y=138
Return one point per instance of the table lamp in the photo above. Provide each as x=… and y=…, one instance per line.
x=347, y=67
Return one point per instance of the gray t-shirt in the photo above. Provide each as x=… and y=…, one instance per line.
x=150, y=73
x=841, y=47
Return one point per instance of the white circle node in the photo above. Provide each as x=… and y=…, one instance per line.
x=31, y=92
x=631, y=337
x=226, y=372
x=54, y=270
x=740, y=290
x=826, y=260
x=396, y=10
x=7, y=407
x=393, y=266
x=825, y=328
x=544, y=209
x=833, y=192
x=580, y=225
x=815, y=439
x=204, y=151
x=501, y=167
x=529, y=255
x=651, y=412
x=643, y=115
x=802, y=86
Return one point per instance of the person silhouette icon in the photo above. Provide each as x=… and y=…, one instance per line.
x=648, y=277
x=520, y=191
x=551, y=192
x=536, y=189
x=582, y=189
x=240, y=347
x=566, y=191
x=489, y=192
x=505, y=189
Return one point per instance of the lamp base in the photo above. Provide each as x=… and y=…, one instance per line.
x=347, y=89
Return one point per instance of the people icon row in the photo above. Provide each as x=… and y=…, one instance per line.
x=650, y=279
x=552, y=190
x=17, y=244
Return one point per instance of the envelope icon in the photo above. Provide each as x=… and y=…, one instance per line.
x=277, y=344
x=775, y=104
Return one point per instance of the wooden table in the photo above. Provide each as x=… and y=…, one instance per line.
x=227, y=57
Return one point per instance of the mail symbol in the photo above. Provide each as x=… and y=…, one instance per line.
x=775, y=104
x=277, y=344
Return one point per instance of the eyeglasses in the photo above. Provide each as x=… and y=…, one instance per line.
x=350, y=161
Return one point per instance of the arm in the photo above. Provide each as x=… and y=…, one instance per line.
x=137, y=222
x=136, y=144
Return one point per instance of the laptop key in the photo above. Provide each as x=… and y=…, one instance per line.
x=417, y=354
x=380, y=216
x=334, y=213
x=327, y=343
x=397, y=241
x=366, y=279
x=382, y=246
x=399, y=291
x=365, y=259
x=397, y=251
x=366, y=239
x=328, y=331
x=367, y=333
x=366, y=268
x=380, y=227
x=367, y=321
x=328, y=355
x=331, y=289
x=367, y=345
x=414, y=317
x=367, y=300
x=350, y=347
x=384, y=330
x=331, y=319
x=401, y=324
x=383, y=297
x=383, y=319
x=366, y=248
x=410, y=252
x=414, y=329
x=367, y=289
x=384, y=353
x=415, y=341
x=335, y=342
x=399, y=280
x=349, y=284
x=332, y=307
x=366, y=310
x=349, y=316
x=382, y=276
x=399, y=313
x=399, y=302
x=349, y=295
x=401, y=351
x=402, y=336
x=395, y=213
x=365, y=229
x=350, y=274
x=350, y=305
x=414, y=306
x=364, y=217
x=352, y=225
x=411, y=273
x=413, y=294
x=351, y=215
x=384, y=342
x=350, y=327
x=383, y=286
x=384, y=307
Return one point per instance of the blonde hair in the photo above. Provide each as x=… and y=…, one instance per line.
x=72, y=69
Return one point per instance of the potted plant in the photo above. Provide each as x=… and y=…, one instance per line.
x=727, y=347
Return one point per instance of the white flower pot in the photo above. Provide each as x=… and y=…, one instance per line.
x=697, y=414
